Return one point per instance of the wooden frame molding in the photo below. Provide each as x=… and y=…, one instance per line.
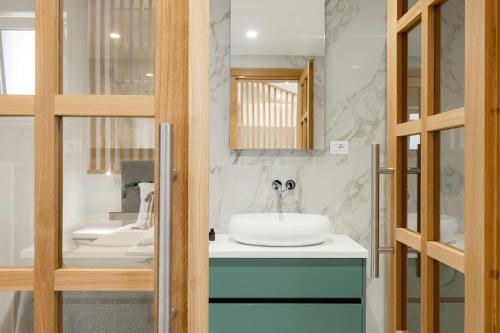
x=198, y=212
x=410, y=19
x=409, y=238
x=171, y=106
x=104, y=106
x=481, y=98
x=48, y=169
x=17, y=105
x=409, y=128
x=446, y=120
x=450, y=256
x=16, y=279
x=104, y=279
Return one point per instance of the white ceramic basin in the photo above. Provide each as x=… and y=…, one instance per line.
x=275, y=229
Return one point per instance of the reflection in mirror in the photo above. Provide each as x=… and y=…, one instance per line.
x=17, y=47
x=109, y=47
x=277, y=74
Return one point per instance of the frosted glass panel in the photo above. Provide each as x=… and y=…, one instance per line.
x=108, y=188
x=17, y=188
x=107, y=312
x=109, y=47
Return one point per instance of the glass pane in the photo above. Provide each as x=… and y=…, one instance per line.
x=407, y=4
x=107, y=312
x=17, y=47
x=109, y=47
x=451, y=305
x=108, y=188
x=452, y=187
x=17, y=190
x=452, y=55
x=412, y=42
x=413, y=291
x=412, y=178
x=16, y=312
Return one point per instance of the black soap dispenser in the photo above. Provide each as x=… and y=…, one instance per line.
x=211, y=235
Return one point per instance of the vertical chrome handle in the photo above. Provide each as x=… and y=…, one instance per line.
x=376, y=171
x=164, y=226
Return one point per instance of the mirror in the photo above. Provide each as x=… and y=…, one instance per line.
x=277, y=74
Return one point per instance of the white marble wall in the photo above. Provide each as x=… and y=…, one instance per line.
x=337, y=186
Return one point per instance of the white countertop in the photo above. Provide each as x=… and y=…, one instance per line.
x=338, y=246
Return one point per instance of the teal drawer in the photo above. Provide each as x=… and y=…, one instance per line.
x=286, y=278
x=286, y=318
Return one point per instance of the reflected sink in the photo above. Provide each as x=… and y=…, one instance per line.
x=276, y=229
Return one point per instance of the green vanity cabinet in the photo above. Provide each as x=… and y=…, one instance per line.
x=287, y=295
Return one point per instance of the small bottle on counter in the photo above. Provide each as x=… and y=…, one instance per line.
x=211, y=235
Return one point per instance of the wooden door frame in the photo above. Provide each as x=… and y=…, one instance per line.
x=182, y=95
x=479, y=119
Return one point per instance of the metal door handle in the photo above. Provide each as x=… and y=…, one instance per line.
x=166, y=174
x=376, y=249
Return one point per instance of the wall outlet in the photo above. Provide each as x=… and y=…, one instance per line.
x=339, y=147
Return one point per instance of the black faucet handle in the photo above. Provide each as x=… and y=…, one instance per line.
x=290, y=184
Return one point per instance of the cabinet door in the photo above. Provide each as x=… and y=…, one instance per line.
x=285, y=318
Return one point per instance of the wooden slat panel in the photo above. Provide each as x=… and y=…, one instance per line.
x=448, y=255
x=48, y=169
x=100, y=106
x=16, y=279
x=141, y=48
x=409, y=128
x=258, y=128
x=17, y=105
x=130, y=59
x=275, y=111
x=410, y=19
x=112, y=48
x=121, y=50
x=102, y=48
x=151, y=29
x=267, y=73
x=104, y=279
x=446, y=120
x=409, y=238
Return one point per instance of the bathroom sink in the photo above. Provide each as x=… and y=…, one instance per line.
x=279, y=229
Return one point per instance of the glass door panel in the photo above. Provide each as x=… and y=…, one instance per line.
x=109, y=47
x=16, y=312
x=412, y=73
x=104, y=312
x=413, y=290
x=451, y=300
x=411, y=175
x=452, y=187
x=17, y=190
x=108, y=191
x=17, y=47
x=451, y=54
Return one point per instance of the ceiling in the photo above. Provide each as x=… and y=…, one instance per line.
x=283, y=27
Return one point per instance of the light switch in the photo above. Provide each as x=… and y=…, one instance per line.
x=339, y=147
